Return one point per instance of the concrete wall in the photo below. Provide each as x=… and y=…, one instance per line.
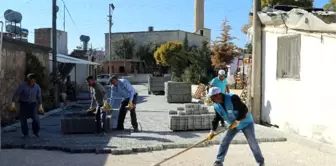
x=156, y=36
x=79, y=74
x=43, y=36
x=13, y=65
x=303, y=106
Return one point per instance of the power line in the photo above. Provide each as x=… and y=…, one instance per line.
x=73, y=21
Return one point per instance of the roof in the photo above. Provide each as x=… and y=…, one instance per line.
x=157, y=32
x=68, y=59
x=298, y=19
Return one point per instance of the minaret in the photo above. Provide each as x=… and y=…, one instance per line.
x=199, y=15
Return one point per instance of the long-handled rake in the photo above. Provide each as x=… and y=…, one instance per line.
x=193, y=146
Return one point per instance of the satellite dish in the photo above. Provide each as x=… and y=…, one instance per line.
x=13, y=16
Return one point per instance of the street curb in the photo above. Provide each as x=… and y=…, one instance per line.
x=16, y=125
x=130, y=150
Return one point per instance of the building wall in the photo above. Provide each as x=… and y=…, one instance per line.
x=43, y=36
x=303, y=106
x=155, y=36
x=116, y=66
x=13, y=65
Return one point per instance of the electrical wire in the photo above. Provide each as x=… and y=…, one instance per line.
x=73, y=21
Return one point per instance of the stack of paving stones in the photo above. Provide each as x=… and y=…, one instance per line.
x=191, y=117
x=156, y=84
x=178, y=92
x=243, y=95
x=81, y=122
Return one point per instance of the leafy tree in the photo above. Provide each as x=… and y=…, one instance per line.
x=331, y=4
x=299, y=3
x=172, y=54
x=223, y=50
x=124, y=47
x=200, y=68
x=146, y=51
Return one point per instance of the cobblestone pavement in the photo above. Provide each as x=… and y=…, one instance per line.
x=276, y=154
x=155, y=134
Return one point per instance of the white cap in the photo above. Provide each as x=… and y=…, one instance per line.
x=221, y=72
x=214, y=91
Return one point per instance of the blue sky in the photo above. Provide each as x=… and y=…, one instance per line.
x=90, y=16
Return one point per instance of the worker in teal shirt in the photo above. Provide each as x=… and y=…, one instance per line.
x=220, y=82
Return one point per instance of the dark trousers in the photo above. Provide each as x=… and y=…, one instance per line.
x=29, y=110
x=123, y=111
x=100, y=117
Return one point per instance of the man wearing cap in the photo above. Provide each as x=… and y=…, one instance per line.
x=29, y=96
x=236, y=114
x=123, y=88
x=221, y=83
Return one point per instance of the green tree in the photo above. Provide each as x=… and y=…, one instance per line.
x=145, y=52
x=171, y=54
x=124, y=47
x=223, y=50
x=330, y=5
x=299, y=3
x=200, y=68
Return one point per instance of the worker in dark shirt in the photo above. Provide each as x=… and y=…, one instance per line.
x=235, y=113
x=99, y=96
x=28, y=94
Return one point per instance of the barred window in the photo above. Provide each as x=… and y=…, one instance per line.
x=289, y=56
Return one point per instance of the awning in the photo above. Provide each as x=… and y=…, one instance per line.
x=68, y=59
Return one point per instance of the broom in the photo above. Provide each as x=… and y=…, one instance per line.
x=193, y=146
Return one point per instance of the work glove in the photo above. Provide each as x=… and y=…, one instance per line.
x=107, y=107
x=210, y=135
x=12, y=107
x=41, y=110
x=208, y=101
x=91, y=109
x=234, y=124
x=131, y=105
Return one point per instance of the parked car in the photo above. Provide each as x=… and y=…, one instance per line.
x=103, y=79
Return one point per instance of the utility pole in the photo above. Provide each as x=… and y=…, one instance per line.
x=111, y=9
x=54, y=50
x=256, y=90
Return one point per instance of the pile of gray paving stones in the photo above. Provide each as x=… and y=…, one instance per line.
x=156, y=84
x=81, y=122
x=178, y=92
x=190, y=117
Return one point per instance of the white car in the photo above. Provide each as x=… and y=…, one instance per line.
x=103, y=79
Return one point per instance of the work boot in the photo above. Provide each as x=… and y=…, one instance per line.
x=37, y=135
x=136, y=130
x=218, y=164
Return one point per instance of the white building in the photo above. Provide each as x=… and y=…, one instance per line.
x=162, y=36
x=298, y=64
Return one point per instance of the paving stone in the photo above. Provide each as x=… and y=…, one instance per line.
x=155, y=134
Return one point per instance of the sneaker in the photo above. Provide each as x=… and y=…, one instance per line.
x=218, y=164
x=262, y=164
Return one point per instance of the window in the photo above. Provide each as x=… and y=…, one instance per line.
x=288, y=57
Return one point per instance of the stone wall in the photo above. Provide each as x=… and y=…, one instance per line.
x=13, y=64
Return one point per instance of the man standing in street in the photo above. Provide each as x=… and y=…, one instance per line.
x=123, y=89
x=29, y=96
x=221, y=83
x=236, y=114
x=99, y=95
